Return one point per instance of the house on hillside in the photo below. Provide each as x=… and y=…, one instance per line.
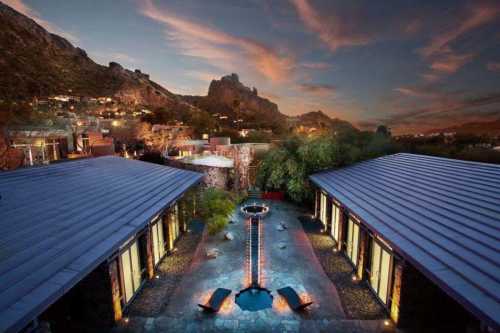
x=424, y=233
x=40, y=145
x=80, y=238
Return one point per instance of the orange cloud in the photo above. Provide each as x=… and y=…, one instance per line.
x=322, y=90
x=331, y=30
x=220, y=48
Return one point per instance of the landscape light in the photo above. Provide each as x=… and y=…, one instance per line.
x=387, y=322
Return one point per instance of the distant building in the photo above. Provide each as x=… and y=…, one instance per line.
x=40, y=145
x=423, y=232
x=227, y=166
x=80, y=238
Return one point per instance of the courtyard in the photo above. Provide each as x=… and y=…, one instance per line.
x=288, y=260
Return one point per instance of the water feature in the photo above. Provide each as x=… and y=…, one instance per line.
x=255, y=210
x=254, y=297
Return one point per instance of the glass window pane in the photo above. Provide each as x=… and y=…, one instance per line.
x=161, y=247
x=127, y=276
x=355, y=243
x=333, y=219
x=136, y=268
x=337, y=224
x=154, y=240
x=375, y=266
x=384, y=275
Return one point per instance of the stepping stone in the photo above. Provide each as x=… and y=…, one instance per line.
x=228, y=236
x=282, y=245
x=213, y=253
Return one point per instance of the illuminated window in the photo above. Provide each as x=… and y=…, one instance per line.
x=323, y=207
x=131, y=271
x=380, y=271
x=335, y=222
x=352, y=241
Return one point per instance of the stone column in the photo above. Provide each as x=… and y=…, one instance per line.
x=342, y=228
x=150, y=262
x=316, y=204
x=115, y=289
x=396, y=290
x=362, y=253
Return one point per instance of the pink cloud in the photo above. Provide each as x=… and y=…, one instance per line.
x=220, y=48
x=322, y=90
x=450, y=62
x=331, y=30
x=26, y=10
x=442, y=59
x=316, y=65
x=477, y=16
x=493, y=66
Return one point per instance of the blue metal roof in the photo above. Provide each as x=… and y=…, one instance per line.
x=59, y=222
x=442, y=215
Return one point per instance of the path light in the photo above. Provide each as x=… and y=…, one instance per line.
x=387, y=322
x=354, y=278
x=126, y=320
x=157, y=276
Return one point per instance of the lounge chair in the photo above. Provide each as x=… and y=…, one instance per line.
x=216, y=300
x=293, y=299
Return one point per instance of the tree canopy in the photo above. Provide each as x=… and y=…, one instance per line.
x=287, y=167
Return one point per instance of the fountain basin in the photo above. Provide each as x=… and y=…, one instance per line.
x=254, y=299
x=254, y=210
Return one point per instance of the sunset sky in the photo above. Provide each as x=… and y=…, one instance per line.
x=413, y=67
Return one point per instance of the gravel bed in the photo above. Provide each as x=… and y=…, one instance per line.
x=357, y=299
x=156, y=293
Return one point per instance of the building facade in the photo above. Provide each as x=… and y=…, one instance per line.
x=422, y=233
x=82, y=237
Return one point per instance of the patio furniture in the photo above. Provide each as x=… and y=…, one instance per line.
x=293, y=299
x=215, y=302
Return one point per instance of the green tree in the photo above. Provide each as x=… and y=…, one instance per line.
x=215, y=208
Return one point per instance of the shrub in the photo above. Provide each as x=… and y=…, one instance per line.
x=215, y=207
x=216, y=224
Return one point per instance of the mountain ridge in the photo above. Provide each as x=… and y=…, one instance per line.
x=37, y=63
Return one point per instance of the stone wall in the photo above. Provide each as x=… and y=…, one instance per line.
x=222, y=178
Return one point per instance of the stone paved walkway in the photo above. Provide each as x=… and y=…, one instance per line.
x=157, y=293
x=296, y=265
x=357, y=300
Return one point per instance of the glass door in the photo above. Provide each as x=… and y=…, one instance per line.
x=158, y=242
x=132, y=273
x=335, y=222
x=380, y=271
x=352, y=241
x=322, y=212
